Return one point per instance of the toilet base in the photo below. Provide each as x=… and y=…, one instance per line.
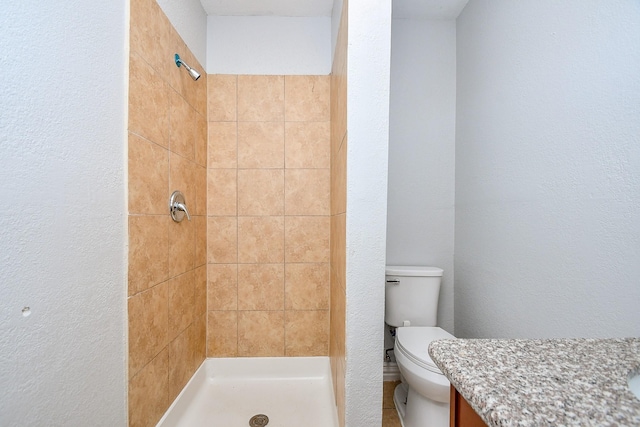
x=416, y=411
x=400, y=401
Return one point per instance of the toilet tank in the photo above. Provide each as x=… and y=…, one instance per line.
x=411, y=295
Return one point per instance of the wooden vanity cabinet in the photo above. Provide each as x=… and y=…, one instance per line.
x=462, y=414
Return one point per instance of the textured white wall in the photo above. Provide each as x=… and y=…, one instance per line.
x=420, y=212
x=190, y=20
x=62, y=143
x=548, y=169
x=368, y=63
x=268, y=45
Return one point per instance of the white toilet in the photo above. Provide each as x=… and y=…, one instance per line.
x=411, y=305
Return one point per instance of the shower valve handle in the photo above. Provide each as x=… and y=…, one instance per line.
x=177, y=207
x=183, y=208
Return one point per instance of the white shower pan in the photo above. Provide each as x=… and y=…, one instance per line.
x=228, y=392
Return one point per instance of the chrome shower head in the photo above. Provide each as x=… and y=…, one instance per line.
x=193, y=73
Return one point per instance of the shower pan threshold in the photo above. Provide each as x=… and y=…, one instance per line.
x=228, y=392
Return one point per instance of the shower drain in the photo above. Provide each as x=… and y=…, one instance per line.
x=259, y=420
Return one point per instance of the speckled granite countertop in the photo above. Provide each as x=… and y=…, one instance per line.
x=555, y=382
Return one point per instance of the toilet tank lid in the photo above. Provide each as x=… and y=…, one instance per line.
x=413, y=270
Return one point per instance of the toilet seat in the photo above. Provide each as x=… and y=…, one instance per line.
x=413, y=342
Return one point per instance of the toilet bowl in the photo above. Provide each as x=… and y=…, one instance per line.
x=423, y=398
x=411, y=306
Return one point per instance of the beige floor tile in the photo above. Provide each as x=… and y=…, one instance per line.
x=390, y=418
x=388, y=387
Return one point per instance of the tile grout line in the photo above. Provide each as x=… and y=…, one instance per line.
x=237, y=85
x=284, y=205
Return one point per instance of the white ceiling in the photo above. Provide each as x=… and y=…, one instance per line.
x=268, y=7
x=428, y=9
x=417, y=9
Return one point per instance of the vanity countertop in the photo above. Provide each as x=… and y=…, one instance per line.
x=550, y=382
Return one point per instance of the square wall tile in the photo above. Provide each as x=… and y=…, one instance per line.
x=337, y=319
x=306, y=98
x=181, y=303
x=148, y=176
x=338, y=247
x=149, y=392
x=261, y=145
x=148, y=326
x=201, y=140
x=307, y=192
x=307, y=145
x=222, y=151
x=180, y=362
x=261, y=239
x=200, y=185
x=148, y=102
x=261, y=287
x=182, y=246
x=199, y=340
x=339, y=181
x=200, y=227
x=338, y=111
x=222, y=239
x=177, y=77
x=200, y=291
x=148, y=251
x=182, y=130
x=261, y=98
x=222, y=97
x=222, y=334
x=307, y=286
x=222, y=287
x=182, y=177
x=180, y=80
x=195, y=93
x=260, y=333
x=149, y=31
x=260, y=192
x=307, y=238
x=307, y=333
x=222, y=191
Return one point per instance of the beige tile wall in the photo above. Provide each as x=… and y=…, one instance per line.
x=338, y=213
x=167, y=260
x=268, y=223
